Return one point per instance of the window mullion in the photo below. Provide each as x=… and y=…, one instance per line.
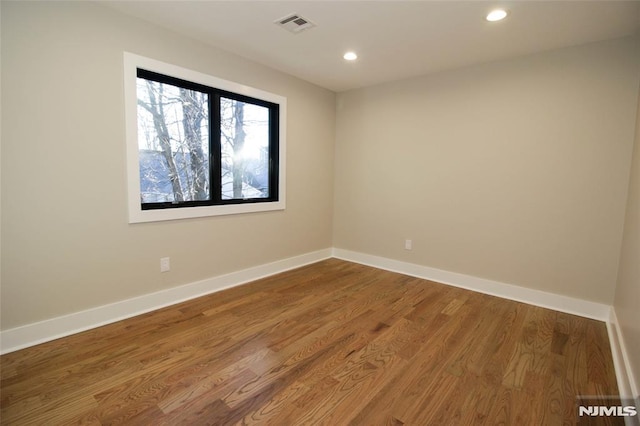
x=215, y=148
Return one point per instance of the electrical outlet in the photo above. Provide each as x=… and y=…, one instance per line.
x=408, y=244
x=165, y=264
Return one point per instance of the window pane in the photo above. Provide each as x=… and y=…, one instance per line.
x=245, y=149
x=173, y=143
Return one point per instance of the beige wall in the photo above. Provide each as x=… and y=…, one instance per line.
x=66, y=243
x=627, y=297
x=514, y=171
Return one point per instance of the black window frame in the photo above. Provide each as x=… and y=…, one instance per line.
x=215, y=144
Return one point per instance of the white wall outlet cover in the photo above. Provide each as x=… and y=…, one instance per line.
x=165, y=264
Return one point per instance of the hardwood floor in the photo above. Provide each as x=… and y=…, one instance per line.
x=332, y=343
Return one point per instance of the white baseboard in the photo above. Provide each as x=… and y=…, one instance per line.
x=583, y=308
x=44, y=331
x=626, y=383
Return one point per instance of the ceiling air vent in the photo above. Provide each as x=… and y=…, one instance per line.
x=295, y=23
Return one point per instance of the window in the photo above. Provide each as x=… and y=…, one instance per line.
x=199, y=145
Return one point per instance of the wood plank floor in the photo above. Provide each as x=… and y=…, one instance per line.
x=332, y=343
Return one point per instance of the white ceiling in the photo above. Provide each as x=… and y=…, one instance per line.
x=394, y=39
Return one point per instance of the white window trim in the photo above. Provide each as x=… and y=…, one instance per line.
x=136, y=215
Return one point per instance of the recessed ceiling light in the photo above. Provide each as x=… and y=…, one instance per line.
x=496, y=15
x=350, y=56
